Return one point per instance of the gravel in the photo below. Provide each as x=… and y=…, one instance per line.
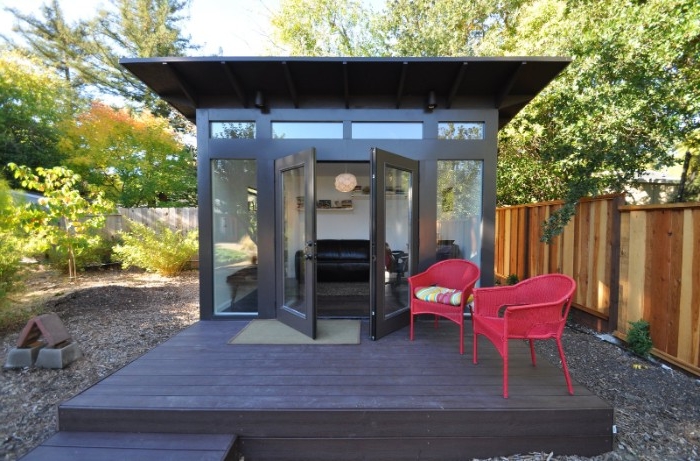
x=117, y=316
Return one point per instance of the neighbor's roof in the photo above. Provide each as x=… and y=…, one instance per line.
x=505, y=83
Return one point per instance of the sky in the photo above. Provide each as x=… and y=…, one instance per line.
x=227, y=27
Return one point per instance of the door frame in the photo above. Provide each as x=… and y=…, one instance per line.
x=302, y=316
x=382, y=322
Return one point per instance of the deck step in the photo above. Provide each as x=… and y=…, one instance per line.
x=119, y=446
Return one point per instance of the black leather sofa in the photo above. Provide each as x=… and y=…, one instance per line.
x=338, y=261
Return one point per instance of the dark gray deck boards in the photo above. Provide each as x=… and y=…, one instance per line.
x=386, y=399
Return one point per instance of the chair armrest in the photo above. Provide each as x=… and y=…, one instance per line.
x=424, y=279
x=488, y=300
x=531, y=320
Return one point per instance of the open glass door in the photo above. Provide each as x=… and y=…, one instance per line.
x=295, y=196
x=394, y=239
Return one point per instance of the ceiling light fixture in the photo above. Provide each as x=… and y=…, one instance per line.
x=345, y=182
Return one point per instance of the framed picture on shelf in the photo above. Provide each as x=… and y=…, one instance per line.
x=346, y=203
x=324, y=204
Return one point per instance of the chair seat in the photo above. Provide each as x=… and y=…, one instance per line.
x=438, y=294
x=443, y=290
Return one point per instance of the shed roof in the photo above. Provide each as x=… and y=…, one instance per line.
x=505, y=83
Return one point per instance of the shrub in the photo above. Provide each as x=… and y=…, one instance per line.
x=639, y=338
x=512, y=279
x=160, y=250
x=10, y=245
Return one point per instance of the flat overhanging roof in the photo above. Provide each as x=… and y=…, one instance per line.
x=505, y=83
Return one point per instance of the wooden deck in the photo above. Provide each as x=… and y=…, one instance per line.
x=390, y=399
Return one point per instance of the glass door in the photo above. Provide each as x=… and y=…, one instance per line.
x=295, y=197
x=394, y=240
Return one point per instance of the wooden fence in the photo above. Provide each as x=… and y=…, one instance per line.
x=660, y=278
x=175, y=218
x=630, y=263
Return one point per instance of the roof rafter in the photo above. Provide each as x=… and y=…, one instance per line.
x=501, y=96
x=402, y=83
x=235, y=84
x=457, y=82
x=182, y=83
x=290, y=84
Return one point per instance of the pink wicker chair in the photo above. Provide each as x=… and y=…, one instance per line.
x=443, y=290
x=533, y=309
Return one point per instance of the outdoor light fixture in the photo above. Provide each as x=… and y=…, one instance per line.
x=432, y=100
x=345, y=182
x=259, y=100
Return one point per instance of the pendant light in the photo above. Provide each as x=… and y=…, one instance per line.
x=345, y=182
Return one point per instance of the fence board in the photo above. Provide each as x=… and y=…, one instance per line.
x=630, y=263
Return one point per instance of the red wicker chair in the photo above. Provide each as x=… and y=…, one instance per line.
x=533, y=309
x=443, y=290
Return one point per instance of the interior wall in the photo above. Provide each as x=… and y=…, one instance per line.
x=342, y=223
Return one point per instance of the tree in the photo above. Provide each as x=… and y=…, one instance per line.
x=63, y=220
x=325, y=28
x=628, y=99
x=53, y=41
x=33, y=104
x=87, y=53
x=137, y=29
x=135, y=159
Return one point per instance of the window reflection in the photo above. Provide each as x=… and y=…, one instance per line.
x=234, y=235
x=387, y=130
x=459, y=212
x=307, y=130
x=232, y=130
x=461, y=130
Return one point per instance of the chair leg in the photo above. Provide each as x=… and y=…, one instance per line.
x=532, y=353
x=436, y=321
x=411, y=335
x=461, y=338
x=564, y=366
x=505, y=371
x=474, y=349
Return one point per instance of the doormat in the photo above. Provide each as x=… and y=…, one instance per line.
x=271, y=331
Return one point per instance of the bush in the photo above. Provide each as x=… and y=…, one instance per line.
x=10, y=245
x=160, y=250
x=639, y=338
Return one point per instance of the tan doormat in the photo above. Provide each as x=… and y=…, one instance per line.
x=271, y=331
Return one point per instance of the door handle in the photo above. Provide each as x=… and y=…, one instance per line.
x=309, y=252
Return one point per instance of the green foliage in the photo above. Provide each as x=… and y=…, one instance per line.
x=628, y=99
x=86, y=53
x=639, y=338
x=229, y=256
x=135, y=159
x=160, y=250
x=10, y=244
x=512, y=279
x=33, y=102
x=63, y=221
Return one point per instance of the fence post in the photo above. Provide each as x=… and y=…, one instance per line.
x=617, y=202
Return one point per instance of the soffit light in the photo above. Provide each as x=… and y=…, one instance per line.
x=345, y=182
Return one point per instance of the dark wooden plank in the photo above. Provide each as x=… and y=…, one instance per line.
x=387, y=393
x=76, y=446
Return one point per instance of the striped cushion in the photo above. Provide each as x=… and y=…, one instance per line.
x=438, y=294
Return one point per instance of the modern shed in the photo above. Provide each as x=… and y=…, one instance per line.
x=324, y=182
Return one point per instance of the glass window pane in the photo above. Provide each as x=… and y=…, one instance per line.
x=232, y=130
x=307, y=130
x=294, y=232
x=399, y=188
x=235, y=235
x=387, y=130
x=461, y=130
x=459, y=212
